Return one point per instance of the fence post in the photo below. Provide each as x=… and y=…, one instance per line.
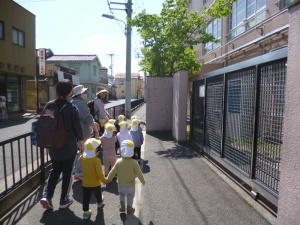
x=42, y=164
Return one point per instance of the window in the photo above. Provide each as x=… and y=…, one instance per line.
x=245, y=14
x=1, y=30
x=284, y=3
x=76, y=68
x=18, y=37
x=121, y=82
x=215, y=29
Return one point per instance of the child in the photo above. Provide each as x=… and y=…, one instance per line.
x=121, y=118
x=137, y=137
x=92, y=176
x=126, y=169
x=123, y=134
x=109, y=140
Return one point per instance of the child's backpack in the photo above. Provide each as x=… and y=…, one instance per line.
x=50, y=128
x=90, y=104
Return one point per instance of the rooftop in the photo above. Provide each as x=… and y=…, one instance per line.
x=123, y=75
x=71, y=58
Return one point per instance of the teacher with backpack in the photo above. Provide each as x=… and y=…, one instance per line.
x=62, y=158
x=100, y=113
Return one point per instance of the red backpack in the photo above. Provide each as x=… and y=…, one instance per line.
x=50, y=128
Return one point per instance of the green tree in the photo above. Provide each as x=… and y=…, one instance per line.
x=171, y=36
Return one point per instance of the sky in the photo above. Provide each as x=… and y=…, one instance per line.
x=77, y=27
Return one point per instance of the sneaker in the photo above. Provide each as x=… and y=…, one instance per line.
x=122, y=208
x=87, y=214
x=66, y=202
x=100, y=204
x=130, y=211
x=46, y=203
x=77, y=178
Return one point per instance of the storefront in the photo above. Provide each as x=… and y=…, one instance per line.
x=11, y=88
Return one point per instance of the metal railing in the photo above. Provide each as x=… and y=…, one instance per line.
x=21, y=160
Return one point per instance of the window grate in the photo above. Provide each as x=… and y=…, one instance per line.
x=238, y=140
x=214, y=104
x=270, y=126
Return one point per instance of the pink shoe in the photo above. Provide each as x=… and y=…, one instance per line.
x=77, y=178
x=46, y=203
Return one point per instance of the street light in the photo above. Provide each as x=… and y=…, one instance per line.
x=128, y=59
x=113, y=18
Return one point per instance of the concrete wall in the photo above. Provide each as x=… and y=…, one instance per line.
x=159, y=103
x=289, y=190
x=180, y=95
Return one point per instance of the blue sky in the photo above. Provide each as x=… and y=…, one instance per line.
x=77, y=27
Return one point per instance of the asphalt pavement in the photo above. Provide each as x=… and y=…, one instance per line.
x=181, y=187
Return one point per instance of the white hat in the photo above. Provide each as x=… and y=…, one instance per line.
x=127, y=147
x=90, y=146
x=79, y=89
x=134, y=124
x=121, y=118
x=109, y=129
x=123, y=127
x=134, y=117
x=111, y=121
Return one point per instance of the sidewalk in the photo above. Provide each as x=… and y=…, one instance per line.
x=181, y=188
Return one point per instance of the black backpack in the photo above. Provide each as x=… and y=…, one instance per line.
x=50, y=128
x=90, y=104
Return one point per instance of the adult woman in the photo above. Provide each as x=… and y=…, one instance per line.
x=63, y=158
x=86, y=119
x=100, y=113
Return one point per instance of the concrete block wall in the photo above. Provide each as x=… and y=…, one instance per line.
x=159, y=104
x=180, y=95
x=289, y=189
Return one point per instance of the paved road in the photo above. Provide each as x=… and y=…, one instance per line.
x=18, y=126
x=181, y=188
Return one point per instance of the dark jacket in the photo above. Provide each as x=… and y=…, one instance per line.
x=72, y=124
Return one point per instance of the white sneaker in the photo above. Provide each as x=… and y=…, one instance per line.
x=101, y=204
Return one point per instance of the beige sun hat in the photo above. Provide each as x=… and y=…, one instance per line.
x=102, y=91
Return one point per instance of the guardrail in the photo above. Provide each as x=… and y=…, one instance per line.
x=22, y=161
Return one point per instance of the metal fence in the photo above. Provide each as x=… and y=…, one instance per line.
x=237, y=118
x=21, y=160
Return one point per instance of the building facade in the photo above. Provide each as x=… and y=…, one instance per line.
x=253, y=28
x=137, y=85
x=237, y=112
x=17, y=54
x=86, y=67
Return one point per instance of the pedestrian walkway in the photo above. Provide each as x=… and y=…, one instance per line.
x=181, y=188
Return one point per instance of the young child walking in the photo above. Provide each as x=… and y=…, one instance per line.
x=108, y=140
x=137, y=137
x=126, y=169
x=92, y=176
x=123, y=134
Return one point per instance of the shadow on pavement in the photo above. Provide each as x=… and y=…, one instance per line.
x=63, y=216
x=112, y=187
x=22, y=209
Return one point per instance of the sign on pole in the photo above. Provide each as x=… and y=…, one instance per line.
x=42, y=61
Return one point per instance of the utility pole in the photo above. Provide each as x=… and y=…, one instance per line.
x=128, y=62
x=111, y=64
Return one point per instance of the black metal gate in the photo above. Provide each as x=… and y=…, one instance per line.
x=237, y=118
